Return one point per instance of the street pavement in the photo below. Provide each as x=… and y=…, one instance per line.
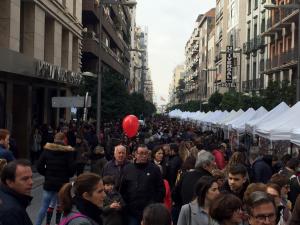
x=37, y=192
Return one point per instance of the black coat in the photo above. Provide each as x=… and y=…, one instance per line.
x=240, y=194
x=261, y=171
x=184, y=190
x=141, y=185
x=13, y=207
x=57, y=164
x=172, y=167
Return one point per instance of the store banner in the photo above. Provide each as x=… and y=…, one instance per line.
x=229, y=63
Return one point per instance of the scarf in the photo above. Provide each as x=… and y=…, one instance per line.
x=88, y=209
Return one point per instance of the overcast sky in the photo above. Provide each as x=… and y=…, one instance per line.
x=170, y=23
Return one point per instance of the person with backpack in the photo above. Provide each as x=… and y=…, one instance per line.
x=81, y=200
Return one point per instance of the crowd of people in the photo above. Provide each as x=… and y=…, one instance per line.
x=170, y=173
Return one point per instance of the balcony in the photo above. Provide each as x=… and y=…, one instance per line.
x=90, y=43
x=253, y=85
x=218, y=57
x=246, y=47
x=219, y=14
x=90, y=10
x=288, y=56
x=288, y=14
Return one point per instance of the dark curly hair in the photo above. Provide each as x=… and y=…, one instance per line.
x=224, y=206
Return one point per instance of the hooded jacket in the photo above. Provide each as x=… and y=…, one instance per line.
x=57, y=164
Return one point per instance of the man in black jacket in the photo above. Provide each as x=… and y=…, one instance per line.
x=237, y=181
x=15, y=190
x=141, y=185
x=57, y=164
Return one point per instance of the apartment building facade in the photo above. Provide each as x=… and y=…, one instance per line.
x=178, y=73
x=212, y=79
x=136, y=60
x=221, y=27
x=115, y=38
x=255, y=48
x=191, y=91
x=206, y=25
x=282, y=48
x=40, y=50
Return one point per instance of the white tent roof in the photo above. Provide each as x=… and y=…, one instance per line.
x=230, y=117
x=239, y=126
x=280, y=127
x=212, y=116
x=295, y=136
x=279, y=109
x=218, y=117
x=241, y=119
x=218, y=120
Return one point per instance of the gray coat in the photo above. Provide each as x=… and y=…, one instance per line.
x=192, y=214
x=80, y=220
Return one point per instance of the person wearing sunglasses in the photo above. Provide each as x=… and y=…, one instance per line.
x=261, y=209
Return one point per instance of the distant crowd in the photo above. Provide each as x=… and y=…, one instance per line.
x=172, y=172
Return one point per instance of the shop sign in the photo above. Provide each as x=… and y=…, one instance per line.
x=229, y=63
x=56, y=73
x=227, y=85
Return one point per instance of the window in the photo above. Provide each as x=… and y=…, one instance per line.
x=248, y=71
x=255, y=4
x=248, y=32
x=249, y=7
x=254, y=71
x=255, y=28
x=263, y=22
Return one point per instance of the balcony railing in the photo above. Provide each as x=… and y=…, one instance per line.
x=253, y=85
x=288, y=56
x=246, y=47
x=218, y=57
x=253, y=45
x=91, y=35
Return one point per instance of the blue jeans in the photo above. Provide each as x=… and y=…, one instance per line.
x=49, y=199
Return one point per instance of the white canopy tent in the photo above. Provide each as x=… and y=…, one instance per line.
x=239, y=125
x=280, y=127
x=225, y=115
x=252, y=124
x=217, y=117
x=230, y=117
x=240, y=119
x=295, y=136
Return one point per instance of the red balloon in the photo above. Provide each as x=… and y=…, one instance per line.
x=130, y=125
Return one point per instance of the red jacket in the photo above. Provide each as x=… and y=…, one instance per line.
x=219, y=159
x=167, y=199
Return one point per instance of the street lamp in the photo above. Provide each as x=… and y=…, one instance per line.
x=129, y=3
x=292, y=6
x=87, y=74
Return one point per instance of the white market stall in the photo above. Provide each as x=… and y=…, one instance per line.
x=252, y=125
